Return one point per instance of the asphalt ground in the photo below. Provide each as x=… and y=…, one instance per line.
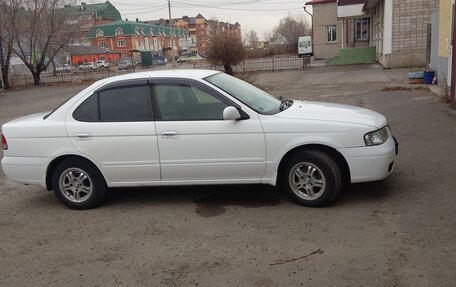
x=397, y=232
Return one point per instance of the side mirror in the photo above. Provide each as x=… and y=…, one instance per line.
x=230, y=113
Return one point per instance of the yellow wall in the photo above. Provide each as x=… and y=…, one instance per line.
x=444, y=27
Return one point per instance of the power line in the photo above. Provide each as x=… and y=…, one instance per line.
x=235, y=9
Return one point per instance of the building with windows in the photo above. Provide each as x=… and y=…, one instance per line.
x=392, y=32
x=199, y=29
x=89, y=15
x=129, y=39
x=327, y=29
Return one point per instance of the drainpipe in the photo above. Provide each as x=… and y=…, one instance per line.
x=453, y=58
x=311, y=29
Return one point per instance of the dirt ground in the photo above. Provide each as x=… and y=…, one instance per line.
x=397, y=232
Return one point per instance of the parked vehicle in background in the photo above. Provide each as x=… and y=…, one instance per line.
x=187, y=127
x=190, y=57
x=88, y=66
x=65, y=68
x=159, y=61
x=305, y=46
x=125, y=65
x=102, y=64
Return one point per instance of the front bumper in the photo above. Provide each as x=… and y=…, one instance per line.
x=371, y=163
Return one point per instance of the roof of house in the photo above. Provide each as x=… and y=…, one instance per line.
x=103, y=10
x=316, y=2
x=350, y=2
x=133, y=28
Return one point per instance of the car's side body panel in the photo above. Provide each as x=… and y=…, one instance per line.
x=205, y=150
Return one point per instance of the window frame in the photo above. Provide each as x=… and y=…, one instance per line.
x=332, y=40
x=118, y=32
x=99, y=33
x=361, y=21
x=189, y=82
x=121, y=41
x=113, y=86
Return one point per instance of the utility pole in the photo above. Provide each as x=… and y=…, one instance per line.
x=169, y=12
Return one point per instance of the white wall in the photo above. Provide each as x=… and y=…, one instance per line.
x=388, y=27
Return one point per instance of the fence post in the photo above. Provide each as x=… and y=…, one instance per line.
x=25, y=77
x=273, y=68
x=85, y=78
x=243, y=65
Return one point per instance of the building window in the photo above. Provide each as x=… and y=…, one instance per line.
x=100, y=33
x=331, y=34
x=362, y=29
x=119, y=31
x=102, y=44
x=120, y=43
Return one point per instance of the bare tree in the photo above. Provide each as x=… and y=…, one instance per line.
x=251, y=38
x=268, y=35
x=292, y=28
x=225, y=48
x=42, y=28
x=6, y=40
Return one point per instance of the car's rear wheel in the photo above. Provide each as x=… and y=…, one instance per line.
x=78, y=184
x=312, y=178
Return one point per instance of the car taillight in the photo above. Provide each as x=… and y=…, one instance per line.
x=4, y=143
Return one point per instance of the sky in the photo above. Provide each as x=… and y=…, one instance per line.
x=258, y=15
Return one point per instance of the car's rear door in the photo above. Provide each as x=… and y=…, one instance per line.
x=115, y=127
x=196, y=144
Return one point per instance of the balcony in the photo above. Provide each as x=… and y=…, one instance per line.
x=351, y=8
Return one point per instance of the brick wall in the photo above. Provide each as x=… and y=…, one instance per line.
x=410, y=19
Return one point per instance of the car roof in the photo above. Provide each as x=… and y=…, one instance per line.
x=180, y=73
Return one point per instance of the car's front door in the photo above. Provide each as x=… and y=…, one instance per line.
x=115, y=127
x=197, y=144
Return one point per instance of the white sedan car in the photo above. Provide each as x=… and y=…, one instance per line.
x=188, y=127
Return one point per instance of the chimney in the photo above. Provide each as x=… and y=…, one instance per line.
x=137, y=19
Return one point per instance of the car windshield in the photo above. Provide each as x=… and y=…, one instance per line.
x=256, y=99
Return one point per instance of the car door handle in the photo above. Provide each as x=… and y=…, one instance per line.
x=169, y=134
x=83, y=136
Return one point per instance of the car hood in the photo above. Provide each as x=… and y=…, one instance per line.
x=333, y=112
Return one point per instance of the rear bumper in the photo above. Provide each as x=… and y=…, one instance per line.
x=371, y=163
x=26, y=170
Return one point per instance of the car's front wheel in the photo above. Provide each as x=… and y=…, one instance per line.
x=78, y=184
x=312, y=178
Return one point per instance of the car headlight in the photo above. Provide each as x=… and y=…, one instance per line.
x=377, y=137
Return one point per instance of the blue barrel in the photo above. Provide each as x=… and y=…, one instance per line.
x=428, y=77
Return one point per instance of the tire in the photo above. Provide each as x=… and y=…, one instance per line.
x=78, y=184
x=312, y=178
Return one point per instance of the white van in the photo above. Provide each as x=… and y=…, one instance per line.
x=305, y=46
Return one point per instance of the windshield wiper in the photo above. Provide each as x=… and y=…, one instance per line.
x=285, y=103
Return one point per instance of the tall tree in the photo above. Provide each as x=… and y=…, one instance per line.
x=225, y=48
x=292, y=28
x=6, y=39
x=251, y=38
x=42, y=28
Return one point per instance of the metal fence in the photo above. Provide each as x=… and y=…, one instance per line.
x=265, y=64
x=61, y=77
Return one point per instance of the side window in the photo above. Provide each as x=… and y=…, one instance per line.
x=88, y=110
x=187, y=103
x=129, y=104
